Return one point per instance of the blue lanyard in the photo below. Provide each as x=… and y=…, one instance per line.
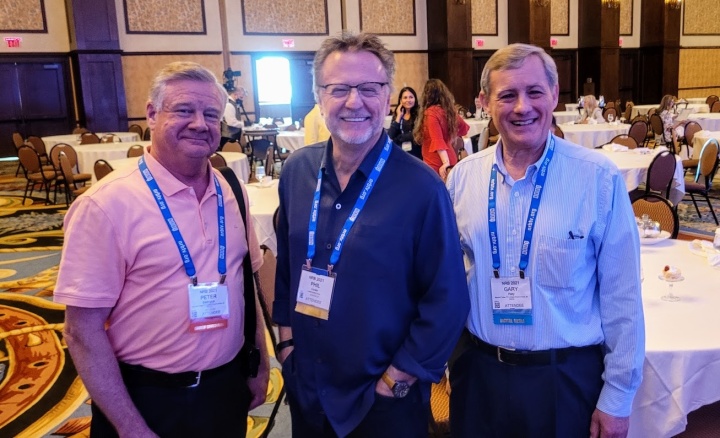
x=532, y=214
x=175, y=231
x=359, y=205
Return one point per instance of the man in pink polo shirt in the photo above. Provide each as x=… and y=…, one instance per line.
x=152, y=278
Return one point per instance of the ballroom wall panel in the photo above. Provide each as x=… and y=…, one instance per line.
x=40, y=23
x=355, y=10
x=411, y=71
x=699, y=72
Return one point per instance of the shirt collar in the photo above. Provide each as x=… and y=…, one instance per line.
x=167, y=182
x=530, y=172
x=368, y=162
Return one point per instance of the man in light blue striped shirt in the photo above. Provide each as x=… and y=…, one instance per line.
x=555, y=338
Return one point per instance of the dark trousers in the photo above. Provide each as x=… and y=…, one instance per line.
x=493, y=399
x=389, y=417
x=218, y=407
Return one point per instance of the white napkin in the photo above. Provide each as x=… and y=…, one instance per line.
x=614, y=147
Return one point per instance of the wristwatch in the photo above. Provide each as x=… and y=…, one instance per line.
x=399, y=388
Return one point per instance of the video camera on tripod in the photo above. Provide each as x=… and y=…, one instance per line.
x=229, y=75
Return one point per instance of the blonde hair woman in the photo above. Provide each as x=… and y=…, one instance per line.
x=591, y=110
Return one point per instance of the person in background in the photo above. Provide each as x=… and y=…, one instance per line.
x=315, y=129
x=437, y=127
x=401, y=127
x=155, y=330
x=671, y=129
x=370, y=297
x=231, y=126
x=554, y=345
x=591, y=112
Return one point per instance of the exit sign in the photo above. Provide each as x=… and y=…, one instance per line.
x=288, y=43
x=13, y=41
x=479, y=42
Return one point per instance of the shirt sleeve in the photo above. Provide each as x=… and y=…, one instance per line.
x=621, y=311
x=462, y=127
x=281, y=305
x=436, y=133
x=229, y=116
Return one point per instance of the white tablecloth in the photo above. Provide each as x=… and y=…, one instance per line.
x=682, y=359
x=476, y=126
x=88, y=154
x=696, y=107
x=634, y=164
x=566, y=116
x=708, y=121
x=291, y=140
x=74, y=139
x=571, y=107
x=699, y=140
x=263, y=203
x=591, y=136
x=235, y=160
x=695, y=99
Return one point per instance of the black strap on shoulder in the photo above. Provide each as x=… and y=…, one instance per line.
x=249, y=289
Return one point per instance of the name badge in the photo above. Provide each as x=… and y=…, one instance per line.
x=407, y=146
x=209, y=307
x=315, y=292
x=511, y=300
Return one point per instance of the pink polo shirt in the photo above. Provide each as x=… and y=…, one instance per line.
x=119, y=253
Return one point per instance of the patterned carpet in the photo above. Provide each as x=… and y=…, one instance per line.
x=41, y=394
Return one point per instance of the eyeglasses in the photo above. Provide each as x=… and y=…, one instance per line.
x=366, y=89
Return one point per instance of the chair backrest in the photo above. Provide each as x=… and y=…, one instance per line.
x=135, y=150
x=691, y=128
x=278, y=121
x=80, y=130
x=270, y=163
x=89, y=138
x=651, y=111
x=66, y=169
x=68, y=150
x=638, y=131
x=656, y=124
x=708, y=161
x=101, y=169
x=492, y=129
x=625, y=140
x=711, y=99
x=17, y=139
x=110, y=138
x=29, y=159
x=660, y=174
x=137, y=129
x=558, y=132
x=146, y=135
x=217, y=161
x=259, y=148
x=610, y=104
x=715, y=108
x=628, y=110
x=232, y=146
x=609, y=111
x=38, y=144
x=658, y=209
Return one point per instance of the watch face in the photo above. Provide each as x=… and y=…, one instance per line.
x=400, y=389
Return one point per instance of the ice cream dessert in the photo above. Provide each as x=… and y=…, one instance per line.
x=671, y=273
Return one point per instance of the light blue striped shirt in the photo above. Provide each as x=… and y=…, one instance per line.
x=584, y=291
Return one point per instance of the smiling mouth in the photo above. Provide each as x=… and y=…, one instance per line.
x=354, y=119
x=523, y=122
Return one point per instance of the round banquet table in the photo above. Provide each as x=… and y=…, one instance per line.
x=591, y=136
x=571, y=106
x=696, y=107
x=74, y=139
x=634, y=163
x=699, y=140
x=291, y=140
x=264, y=201
x=88, y=154
x=682, y=349
x=566, y=116
x=708, y=121
x=237, y=161
x=476, y=126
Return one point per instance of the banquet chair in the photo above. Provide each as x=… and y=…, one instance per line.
x=137, y=129
x=659, y=177
x=558, y=132
x=39, y=146
x=628, y=110
x=232, y=146
x=258, y=151
x=101, y=169
x=135, y=150
x=110, y=138
x=217, y=161
x=146, y=135
x=711, y=99
x=17, y=141
x=656, y=130
x=625, y=140
x=651, y=111
x=715, y=108
x=72, y=191
x=706, y=169
x=71, y=154
x=691, y=128
x=609, y=111
x=89, y=138
x=638, y=130
x=278, y=155
x=658, y=209
x=80, y=130
x=35, y=174
x=493, y=133
x=270, y=163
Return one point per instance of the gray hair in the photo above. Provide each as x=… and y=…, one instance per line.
x=350, y=42
x=182, y=71
x=512, y=57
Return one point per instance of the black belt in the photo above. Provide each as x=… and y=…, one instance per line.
x=138, y=375
x=527, y=357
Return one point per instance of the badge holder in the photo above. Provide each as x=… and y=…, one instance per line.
x=315, y=292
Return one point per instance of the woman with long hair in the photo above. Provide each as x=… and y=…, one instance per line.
x=437, y=127
x=403, y=122
x=666, y=111
x=591, y=111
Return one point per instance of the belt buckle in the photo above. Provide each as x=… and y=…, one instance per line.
x=499, y=356
x=197, y=380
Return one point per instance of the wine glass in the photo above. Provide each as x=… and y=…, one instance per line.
x=260, y=173
x=670, y=282
x=611, y=118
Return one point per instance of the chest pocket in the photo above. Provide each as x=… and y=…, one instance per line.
x=560, y=260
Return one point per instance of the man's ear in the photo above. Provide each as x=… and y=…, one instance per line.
x=150, y=114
